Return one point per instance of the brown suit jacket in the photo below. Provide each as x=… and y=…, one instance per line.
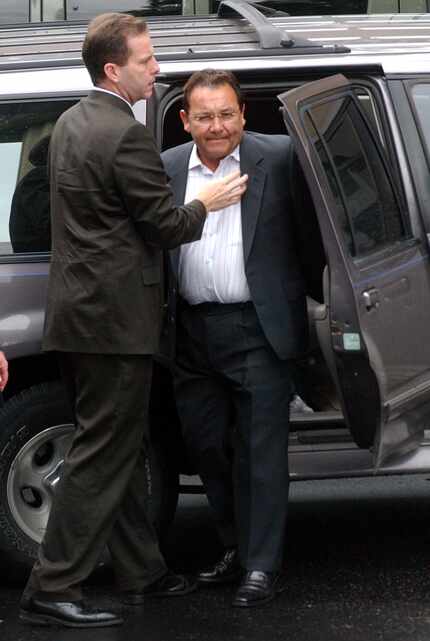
x=111, y=212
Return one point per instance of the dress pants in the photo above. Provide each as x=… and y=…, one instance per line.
x=102, y=498
x=233, y=397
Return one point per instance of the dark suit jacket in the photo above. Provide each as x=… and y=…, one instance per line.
x=269, y=241
x=112, y=211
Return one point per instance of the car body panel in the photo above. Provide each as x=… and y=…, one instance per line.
x=379, y=309
x=22, y=310
x=343, y=460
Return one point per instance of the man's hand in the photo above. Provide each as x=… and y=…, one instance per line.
x=224, y=192
x=3, y=371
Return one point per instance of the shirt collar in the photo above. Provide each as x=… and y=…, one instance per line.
x=112, y=93
x=196, y=162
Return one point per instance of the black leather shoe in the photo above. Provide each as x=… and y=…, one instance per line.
x=169, y=584
x=257, y=588
x=67, y=614
x=226, y=570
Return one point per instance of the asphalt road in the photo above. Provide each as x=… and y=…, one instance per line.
x=357, y=559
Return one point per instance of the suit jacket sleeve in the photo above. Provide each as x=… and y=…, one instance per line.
x=147, y=197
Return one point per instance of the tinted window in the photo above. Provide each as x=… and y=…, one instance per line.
x=14, y=11
x=367, y=210
x=19, y=11
x=87, y=9
x=368, y=106
x=25, y=131
x=421, y=98
x=314, y=7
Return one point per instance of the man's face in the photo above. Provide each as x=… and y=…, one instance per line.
x=215, y=121
x=137, y=77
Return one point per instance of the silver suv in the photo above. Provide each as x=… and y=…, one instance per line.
x=354, y=93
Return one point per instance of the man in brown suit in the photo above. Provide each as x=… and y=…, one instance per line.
x=111, y=213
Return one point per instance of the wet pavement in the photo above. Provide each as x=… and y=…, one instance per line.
x=357, y=561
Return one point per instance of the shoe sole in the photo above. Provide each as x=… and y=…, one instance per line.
x=46, y=620
x=224, y=581
x=140, y=600
x=280, y=586
x=253, y=604
x=161, y=594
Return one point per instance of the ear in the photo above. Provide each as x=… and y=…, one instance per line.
x=185, y=120
x=111, y=71
x=243, y=116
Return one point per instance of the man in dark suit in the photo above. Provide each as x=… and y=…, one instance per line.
x=112, y=211
x=241, y=318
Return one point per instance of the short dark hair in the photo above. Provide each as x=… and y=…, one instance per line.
x=106, y=41
x=211, y=78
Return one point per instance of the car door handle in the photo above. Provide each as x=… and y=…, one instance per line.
x=371, y=298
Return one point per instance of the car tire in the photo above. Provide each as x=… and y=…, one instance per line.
x=36, y=428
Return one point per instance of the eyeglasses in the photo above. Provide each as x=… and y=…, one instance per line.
x=209, y=118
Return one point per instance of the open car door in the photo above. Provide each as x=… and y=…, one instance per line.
x=378, y=270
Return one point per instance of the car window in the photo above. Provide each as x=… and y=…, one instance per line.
x=368, y=105
x=333, y=7
x=367, y=208
x=22, y=11
x=10, y=153
x=420, y=94
x=51, y=9
x=25, y=130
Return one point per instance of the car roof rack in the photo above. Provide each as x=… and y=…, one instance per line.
x=271, y=36
x=214, y=38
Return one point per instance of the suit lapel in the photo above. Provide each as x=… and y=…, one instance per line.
x=251, y=163
x=178, y=184
x=178, y=176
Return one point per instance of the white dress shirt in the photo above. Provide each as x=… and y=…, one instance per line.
x=212, y=269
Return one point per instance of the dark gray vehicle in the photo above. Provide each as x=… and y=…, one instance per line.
x=354, y=93
x=22, y=11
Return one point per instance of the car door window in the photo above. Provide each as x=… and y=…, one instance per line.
x=25, y=130
x=368, y=105
x=367, y=205
x=420, y=94
x=10, y=153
